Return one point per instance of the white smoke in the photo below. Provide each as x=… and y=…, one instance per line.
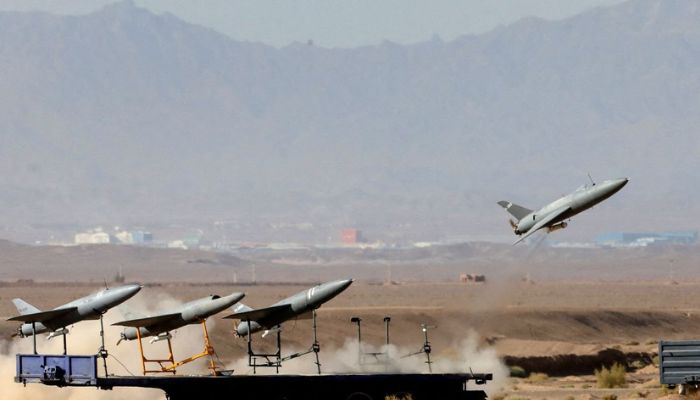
x=124, y=359
x=465, y=356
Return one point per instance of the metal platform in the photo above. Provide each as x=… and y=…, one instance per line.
x=70, y=370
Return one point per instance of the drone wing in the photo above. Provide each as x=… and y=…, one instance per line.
x=148, y=321
x=44, y=317
x=544, y=222
x=262, y=315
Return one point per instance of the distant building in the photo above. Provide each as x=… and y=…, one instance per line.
x=643, y=239
x=472, y=278
x=351, y=236
x=177, y=244
x=92, y=238
x=134, y=237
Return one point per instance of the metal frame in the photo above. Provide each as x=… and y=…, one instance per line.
x=427, y=348
x=172, y=368
x=361, y=355
x=275, y=360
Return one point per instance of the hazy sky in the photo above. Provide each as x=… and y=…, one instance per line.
x=337, y=23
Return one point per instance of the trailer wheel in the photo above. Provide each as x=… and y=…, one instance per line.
x=359, y=396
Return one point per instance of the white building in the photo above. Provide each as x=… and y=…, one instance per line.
x=92, y=238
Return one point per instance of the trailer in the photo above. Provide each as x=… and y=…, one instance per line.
x=82, y=371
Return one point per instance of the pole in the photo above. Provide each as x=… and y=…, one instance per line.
x=386, y=325
x=358, y=321
x=278, y=363
x=65, y=346
x=34, y=335
x=250, y=348
x=102, y=350
x=427, y=349
x=316, y=346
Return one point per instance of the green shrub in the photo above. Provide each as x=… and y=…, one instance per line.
x=517, y=372
x=536, y=377
x=610, y=378
x=664, y=390
x=404, y=396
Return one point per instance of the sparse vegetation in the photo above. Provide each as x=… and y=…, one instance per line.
x=517, y=372
x=633, y=343
x=400, y=396
x=611, y=378
x=537, y=377
x=610, y=397
x=655, y=360
x=570, y=398
x=664, y=390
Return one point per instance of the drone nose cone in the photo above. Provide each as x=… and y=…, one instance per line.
x=614, y=185
x=608, y=188
x=234, y=298
x=130, y=290
x=622, y=182
x=340, y=285
x=331, y=289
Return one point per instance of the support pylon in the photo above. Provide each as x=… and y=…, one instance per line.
x=208, y=351
x=170, y=359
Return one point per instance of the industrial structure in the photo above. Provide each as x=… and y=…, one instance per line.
x=644, y=239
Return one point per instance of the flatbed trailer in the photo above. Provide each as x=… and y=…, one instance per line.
x=81, y=371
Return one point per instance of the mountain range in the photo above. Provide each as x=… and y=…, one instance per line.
x=124, y=116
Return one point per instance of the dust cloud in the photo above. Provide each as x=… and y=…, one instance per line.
x=464, y=356
x=84, y=338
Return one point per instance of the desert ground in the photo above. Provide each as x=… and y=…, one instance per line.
x=555, y=330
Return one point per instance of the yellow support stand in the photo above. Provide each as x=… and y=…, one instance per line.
x=160, y=362
x=208, y=351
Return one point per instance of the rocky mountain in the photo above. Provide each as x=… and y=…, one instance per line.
x=125, y=116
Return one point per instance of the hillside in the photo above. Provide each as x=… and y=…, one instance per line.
x=123, y=116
